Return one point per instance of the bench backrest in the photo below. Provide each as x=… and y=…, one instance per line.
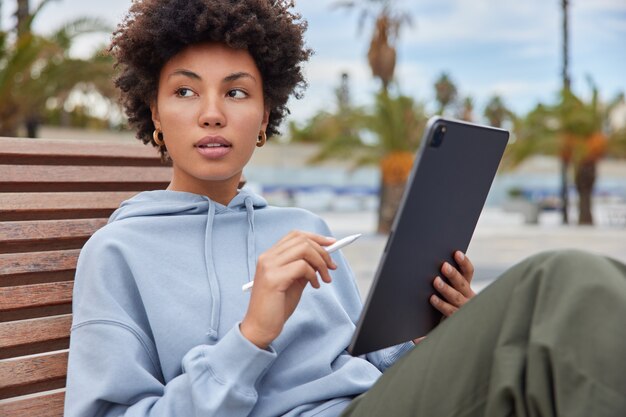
x=53, y=196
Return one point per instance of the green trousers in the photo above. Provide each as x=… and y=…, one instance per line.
x=546, y=339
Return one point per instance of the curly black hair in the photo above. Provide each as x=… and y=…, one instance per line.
x=154, y=31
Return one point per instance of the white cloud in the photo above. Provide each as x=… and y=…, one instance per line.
x=616, y=6
x=327, y=70
x=415, y=78
x=514, y=88
x=485, y=21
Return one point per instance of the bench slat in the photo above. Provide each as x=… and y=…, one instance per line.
x=48, y=404
x=42, y=178
x=44, y=206
x=38, y=295
x=26, y=332
x=20, y=376
x=35, y=262
x=34, y=236
x=34, y=312
x=76, y=152
x=37, y=267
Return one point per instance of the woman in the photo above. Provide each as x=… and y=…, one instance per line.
x=161, y=326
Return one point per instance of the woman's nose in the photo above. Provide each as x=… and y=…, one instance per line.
x=212, y=115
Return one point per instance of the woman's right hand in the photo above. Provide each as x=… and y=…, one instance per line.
x=282, y=273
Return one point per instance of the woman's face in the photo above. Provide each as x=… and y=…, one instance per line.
x=210, y=108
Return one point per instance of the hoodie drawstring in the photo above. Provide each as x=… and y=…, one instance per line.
x=212, y=275
x=212, y=333
x=251, y=250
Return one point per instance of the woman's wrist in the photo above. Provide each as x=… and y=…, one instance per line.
x=254, y=336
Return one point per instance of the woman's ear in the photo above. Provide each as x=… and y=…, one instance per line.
x=266, y=119
x=156, y=120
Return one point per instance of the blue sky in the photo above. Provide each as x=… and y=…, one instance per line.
x=506, y=47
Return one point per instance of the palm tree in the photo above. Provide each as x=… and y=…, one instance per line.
x=445, y=92
x=34, y=68
x=388, y=21
x=393, y=154
x=496, y=112
x=576, y=131
x=341, y=127
x=397, y=123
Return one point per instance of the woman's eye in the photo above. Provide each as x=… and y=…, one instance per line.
x=184, y=92
x=236, y=93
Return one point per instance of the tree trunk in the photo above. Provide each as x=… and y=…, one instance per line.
x=395, y=170
x=390, y=197
x=585, y=179
x=32, y=126
x=564, y=191
x=565, y=69
x=566, y=87
x=22, y=14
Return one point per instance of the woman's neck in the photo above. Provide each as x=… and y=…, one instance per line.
x=219, y=191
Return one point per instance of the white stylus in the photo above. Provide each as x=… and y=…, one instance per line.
x=330, y=249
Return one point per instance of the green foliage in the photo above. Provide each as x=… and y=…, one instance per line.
x=535, y=133
x=395, y=123
x=34, y=68
x=398, y=122
x=617, y=143
x=79, y=118
x=565, y=128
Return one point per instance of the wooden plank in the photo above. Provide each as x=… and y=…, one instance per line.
x=42, y=178
x=33, y=373
x=47, y=404
x=33, y=312
x=78, y=152
x=35, y=262
x=43, y=206
x=48, y=235
x=26, y=332
x=78, y=174
x=38, y=295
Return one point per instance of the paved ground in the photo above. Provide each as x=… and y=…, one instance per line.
x=499, y=242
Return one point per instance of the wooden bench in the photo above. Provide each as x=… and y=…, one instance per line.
x=53, y=195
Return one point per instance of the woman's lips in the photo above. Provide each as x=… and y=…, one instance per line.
x=213, y=151
x=213, y=147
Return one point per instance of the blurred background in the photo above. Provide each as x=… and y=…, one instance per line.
x=552, y=72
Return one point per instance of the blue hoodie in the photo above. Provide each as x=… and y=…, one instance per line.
x=157, y=307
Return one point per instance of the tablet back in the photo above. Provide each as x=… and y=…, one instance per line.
x=450, y=180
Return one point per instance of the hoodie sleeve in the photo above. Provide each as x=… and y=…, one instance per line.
x=351, y=300
x=111, y=373
x=113, y=367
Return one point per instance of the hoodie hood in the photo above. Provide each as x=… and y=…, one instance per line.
x=165, y=202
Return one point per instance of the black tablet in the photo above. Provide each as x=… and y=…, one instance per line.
x=446, y=192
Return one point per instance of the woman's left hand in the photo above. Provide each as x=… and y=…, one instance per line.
x=457, y=291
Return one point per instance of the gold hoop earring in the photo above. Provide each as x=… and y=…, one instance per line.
x=261, y=139
x=157, y=139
